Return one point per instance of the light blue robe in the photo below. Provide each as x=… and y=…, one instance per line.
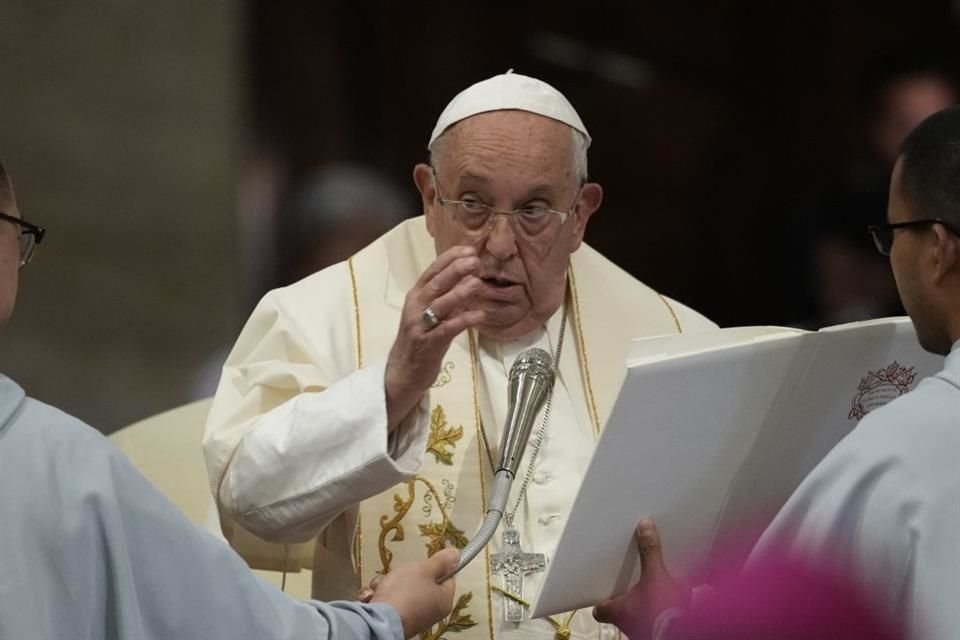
x=89, y=549
x=884, y=505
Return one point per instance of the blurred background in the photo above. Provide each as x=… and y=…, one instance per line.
x=187, y=156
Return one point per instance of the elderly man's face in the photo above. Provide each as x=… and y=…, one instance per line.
x=510, y=160
x=9, y=256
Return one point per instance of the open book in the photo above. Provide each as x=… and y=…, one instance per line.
x=715, y=429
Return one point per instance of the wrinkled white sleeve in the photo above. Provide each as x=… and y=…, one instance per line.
x=313, y=456
x=296, y=433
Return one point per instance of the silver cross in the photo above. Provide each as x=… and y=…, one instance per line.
x=512, y=564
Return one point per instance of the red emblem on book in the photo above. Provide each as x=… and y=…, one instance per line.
x=879, y=387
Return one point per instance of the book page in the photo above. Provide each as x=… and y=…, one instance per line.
x=652, y=349
x=811, y=418
x=679, y=431
x=705, y=440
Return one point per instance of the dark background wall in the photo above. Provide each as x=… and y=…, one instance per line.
x=710, y=120
x=161, y=144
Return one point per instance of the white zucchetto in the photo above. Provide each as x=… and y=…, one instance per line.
x=509, y=91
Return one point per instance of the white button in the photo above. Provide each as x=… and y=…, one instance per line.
x=541, y=477
x=547, y=518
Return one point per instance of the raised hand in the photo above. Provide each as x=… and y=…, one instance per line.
x=446, y=288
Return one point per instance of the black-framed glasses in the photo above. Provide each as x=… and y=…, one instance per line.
x=476, y=217
x=883, y=233
x=29, y=236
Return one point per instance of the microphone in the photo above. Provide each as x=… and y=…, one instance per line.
x=531, y=378
x=530, y=382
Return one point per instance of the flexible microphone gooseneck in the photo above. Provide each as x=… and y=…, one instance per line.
x=531, y=379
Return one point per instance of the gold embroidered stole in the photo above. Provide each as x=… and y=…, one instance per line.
x=445, y=503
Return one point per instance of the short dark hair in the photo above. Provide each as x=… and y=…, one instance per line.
x=930, y=166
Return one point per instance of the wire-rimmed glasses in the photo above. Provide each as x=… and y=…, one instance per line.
x=29, y=236
x=476, y=217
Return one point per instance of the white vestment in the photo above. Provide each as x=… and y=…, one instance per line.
x=89, y=549
x=885, y=505
x=297, y=434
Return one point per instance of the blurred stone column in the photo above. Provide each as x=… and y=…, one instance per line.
x=122, y=126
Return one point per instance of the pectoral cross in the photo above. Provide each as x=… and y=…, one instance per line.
x=512, y=564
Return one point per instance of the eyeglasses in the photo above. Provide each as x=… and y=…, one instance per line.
x=30, y=235
x=883, y=233
x=476, y=217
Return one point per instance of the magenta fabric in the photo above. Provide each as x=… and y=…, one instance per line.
x=784, y=598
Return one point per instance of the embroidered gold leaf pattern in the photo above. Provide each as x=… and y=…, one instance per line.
x=443, y=438
x=440, y=532
x=388, y=525
x=456, y=622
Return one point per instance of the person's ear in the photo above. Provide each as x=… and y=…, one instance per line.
x=945, y=255
x=423, y=177
x=591, y=195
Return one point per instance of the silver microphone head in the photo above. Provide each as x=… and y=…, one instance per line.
x=531, y=378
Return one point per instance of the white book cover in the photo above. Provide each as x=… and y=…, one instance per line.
x=716, y=429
